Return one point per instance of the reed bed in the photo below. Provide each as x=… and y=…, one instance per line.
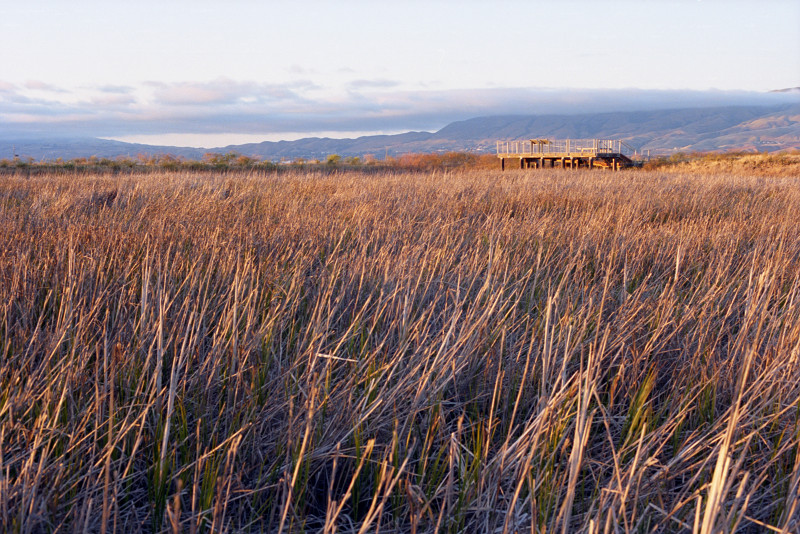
x=541, y=351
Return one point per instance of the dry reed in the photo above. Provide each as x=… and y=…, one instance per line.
x=410, y=352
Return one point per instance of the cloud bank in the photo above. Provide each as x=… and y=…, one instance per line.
x=225, y=106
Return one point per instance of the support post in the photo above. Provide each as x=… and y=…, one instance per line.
x=591, y=163
x=502, y=164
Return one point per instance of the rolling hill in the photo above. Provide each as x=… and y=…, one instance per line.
x=762, y=128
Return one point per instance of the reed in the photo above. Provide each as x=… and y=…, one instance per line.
x=452, y=351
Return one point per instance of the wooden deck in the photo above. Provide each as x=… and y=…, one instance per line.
x=566, y=153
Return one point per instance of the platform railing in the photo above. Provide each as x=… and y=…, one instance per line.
x=543, y=147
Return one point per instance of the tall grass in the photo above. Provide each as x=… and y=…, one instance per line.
x=468, y=351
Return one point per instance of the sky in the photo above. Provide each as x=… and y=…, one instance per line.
x=202, y=73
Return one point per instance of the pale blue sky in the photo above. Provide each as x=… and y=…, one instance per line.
x=196, y=72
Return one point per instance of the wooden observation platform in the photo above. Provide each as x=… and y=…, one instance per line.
x=567, y=153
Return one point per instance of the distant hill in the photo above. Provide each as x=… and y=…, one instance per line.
x=84, y=147
x=316, y=147
x=763, y=128
x=727, y=128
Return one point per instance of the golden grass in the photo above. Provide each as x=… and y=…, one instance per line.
x=759, y=164
x=464, y=351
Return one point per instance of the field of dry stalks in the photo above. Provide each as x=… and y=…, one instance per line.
x=763, y=164
x=542, y=351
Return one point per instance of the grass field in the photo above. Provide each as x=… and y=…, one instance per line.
x=467, y=351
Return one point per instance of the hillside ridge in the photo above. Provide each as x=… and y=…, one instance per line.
x=761, y=128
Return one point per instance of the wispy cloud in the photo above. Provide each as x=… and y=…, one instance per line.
x=226, y=92
x=115, y=89
x=373, y=84
x=246, y=107
x=112, y=100
x=38, y=85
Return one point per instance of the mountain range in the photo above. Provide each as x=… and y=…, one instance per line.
x=762, y=128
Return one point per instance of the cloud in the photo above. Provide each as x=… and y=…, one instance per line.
x=226, y=92
x=7, y=87
x=112, y=100
x=299, y=70
x=188, y=94
x=372, y=84
x=115, y=89
x=246, y=107
x=38, y=85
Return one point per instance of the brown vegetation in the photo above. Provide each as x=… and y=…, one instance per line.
x=431, y=351
x=233, y=161
x=747, y=163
